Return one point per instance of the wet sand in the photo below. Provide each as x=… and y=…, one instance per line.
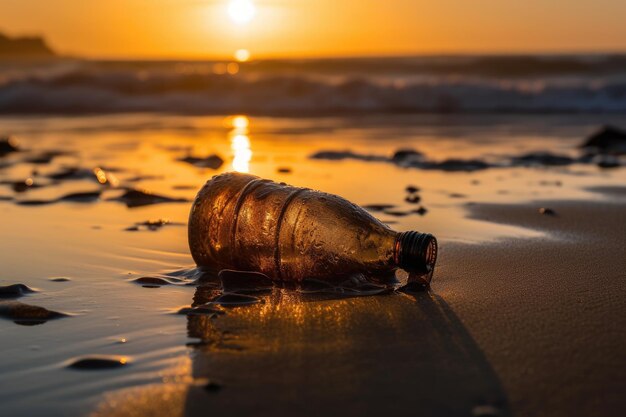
x=525, y=327
x=524, y=316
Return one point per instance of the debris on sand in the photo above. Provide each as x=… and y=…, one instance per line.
x=70, y=173
x=133, y=197
x=8, y=145
x=44, y=158
x=15, y=291
x=421, y=210
x=212, y=161
x=411, y=189
x=152, y=225
x=60, y=279
x=96, y=362
x=79, y=197
x=542, y=159
x=159, y=281
x=22, y=185
x=284, y=170
x=547, y=211
x=413, y=199
x=341, y=155
x=27, y=314
x=408, y=157
x=608, y=139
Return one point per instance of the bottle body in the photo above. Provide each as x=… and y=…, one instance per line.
x=240, y=221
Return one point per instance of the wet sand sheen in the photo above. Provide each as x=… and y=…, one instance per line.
x=416, y=354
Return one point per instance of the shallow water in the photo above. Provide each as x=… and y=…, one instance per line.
x=92, y=242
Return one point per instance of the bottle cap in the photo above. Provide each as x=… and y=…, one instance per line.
x=416, y=252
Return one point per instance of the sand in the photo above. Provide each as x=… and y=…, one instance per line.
x=523, y=326
x=525, y=315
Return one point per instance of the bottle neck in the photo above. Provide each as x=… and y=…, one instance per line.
x=415, y=252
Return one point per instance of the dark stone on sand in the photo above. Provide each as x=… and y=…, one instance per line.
x=44, y=158
x=137, y=198
x=407, y=157
x=547, y=211
x=609, y=139
x=609, y=163
x=71, y=173
x=411, y=189
x=35, y=202
x=235, y=300
x=211, y=161
x=378, y=207
x=284, y=170
x=421, y=210
x=152, y=225
x=341, y=155
x=26, y=313
x=413, y=199
x=21, y=186
x=158, y=281
x=81, y=197
x=8, y=145
x=15, y=291
x=456, y=195
x=60, y=279
x=244, y=281
x=99, y=362
x=454, y=165
x=542, y=158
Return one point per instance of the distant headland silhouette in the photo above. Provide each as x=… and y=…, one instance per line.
x=24, y=47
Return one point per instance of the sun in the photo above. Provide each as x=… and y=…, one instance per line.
x=241, y=11
x=242, y=55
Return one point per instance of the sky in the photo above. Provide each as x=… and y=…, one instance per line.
x=315, y=28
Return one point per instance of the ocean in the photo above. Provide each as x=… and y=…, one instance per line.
x=426, y=84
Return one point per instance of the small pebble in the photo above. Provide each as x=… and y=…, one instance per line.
x=413, y=199
x=99, y=362
x=15, y=291
x=547, y=211
x=412, y=189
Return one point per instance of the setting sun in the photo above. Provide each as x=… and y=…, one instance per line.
x=242, y=55
x=241, y=11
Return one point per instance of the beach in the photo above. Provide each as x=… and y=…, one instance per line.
x=524, y=316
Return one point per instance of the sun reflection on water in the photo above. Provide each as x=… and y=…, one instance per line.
x=240, y=143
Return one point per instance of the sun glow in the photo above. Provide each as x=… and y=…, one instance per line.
x=241, y=11
x=242, y=55
x=240, y=143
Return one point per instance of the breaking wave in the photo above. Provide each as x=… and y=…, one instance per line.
x=308, y=90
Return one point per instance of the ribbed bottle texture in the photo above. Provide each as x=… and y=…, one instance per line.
x=240, y=221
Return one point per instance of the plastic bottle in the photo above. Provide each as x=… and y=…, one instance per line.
x=240, y=221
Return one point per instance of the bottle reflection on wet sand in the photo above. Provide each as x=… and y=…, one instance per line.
x=339, y=350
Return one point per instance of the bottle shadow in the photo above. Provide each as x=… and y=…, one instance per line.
x=293, y=353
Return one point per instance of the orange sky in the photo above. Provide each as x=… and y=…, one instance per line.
x=203, y=28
